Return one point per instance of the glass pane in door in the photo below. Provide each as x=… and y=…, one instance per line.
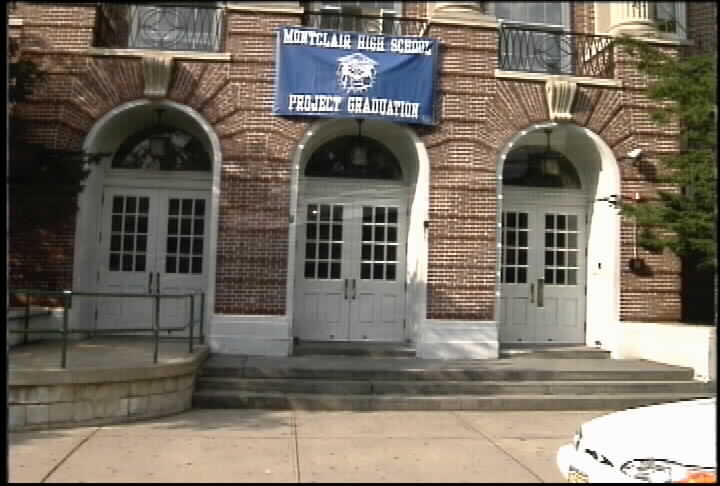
x=561, y=249
x=323, y=241
x=515, y=247
x=185, y=236
x=379, y=245
x=129, y=234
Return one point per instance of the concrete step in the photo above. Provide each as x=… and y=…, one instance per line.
x=288, y=401
x=427, y=387
x=377, y=350
x=449, y=373
x=562, y=352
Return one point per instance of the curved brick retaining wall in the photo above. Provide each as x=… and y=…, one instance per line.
x=40, y=399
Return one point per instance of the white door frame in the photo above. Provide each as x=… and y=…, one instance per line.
x=354, y=193
x=106, y=135
x=537, y=201
x=411, y=153
x=601, y=178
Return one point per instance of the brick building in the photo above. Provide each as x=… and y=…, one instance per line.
x=495, y=226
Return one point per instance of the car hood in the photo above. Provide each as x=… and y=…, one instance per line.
x=682, y=431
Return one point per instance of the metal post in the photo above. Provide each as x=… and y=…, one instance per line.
x=156, y=327
x=202, y=318
x=27, y=316
x=192, y=321
x=66, y=304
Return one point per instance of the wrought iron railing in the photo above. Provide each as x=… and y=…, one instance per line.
x=380, y=24
x=536, y=50
x=67, y=296
x=162, y=27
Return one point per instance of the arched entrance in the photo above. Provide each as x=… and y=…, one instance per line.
x=357, y=202
x=147, y=215
x=558, y=243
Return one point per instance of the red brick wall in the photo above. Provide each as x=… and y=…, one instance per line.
x=478, y=114
x=702, y=24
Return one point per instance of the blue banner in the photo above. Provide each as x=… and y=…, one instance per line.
x=336, y=74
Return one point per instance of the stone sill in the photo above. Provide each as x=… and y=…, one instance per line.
x=15, y=22
x=264, y=9
x=483, y=22
x=184, y=55
x=580, y=80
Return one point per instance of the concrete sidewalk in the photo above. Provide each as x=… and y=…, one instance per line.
x=302, y=446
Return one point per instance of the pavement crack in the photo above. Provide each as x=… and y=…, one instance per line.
x=467, y=424
x=67, y=456
x=293, y=418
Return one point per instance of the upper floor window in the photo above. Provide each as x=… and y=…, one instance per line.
x=358, y=16
x=669, y=17
x=533, y=37
x=549, y=15
x=175, y=27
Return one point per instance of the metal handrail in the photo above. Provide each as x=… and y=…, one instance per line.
x=160, y=26
x=550, y=51
x=65, y=330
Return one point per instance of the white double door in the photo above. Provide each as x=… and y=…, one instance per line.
x=543, y=271
x=350, y=275
x=151, y=241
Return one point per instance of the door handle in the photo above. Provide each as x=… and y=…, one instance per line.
x=345, y=285
x=157, y=283
x=540, y=292
x=354, y=290
x=150, y=283
x=532, y=293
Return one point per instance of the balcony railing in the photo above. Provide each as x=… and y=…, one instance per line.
x=381, y=24
x=160, y=27
x=535, y=50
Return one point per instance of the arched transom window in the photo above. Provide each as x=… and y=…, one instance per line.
x=353, y=156
x=162, y=148
x=536, y=166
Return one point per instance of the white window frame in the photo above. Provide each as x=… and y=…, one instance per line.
x=359, y=8
x=202, y=39
x=563, y=27
x=680, y=20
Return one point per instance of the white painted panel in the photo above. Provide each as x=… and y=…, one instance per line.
x=389, y=308
x=366, y=307
x=331, y=305
x=569, y=313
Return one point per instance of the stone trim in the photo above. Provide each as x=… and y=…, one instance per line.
x=579, y=80
x=157, y=71
x=70, y=405
x=560, y=95
x=264, y=9
x=55, y=376
x=180, y=55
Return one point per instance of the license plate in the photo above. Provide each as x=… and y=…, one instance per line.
x=577, y=476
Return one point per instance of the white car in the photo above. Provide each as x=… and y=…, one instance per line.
x=670, y=442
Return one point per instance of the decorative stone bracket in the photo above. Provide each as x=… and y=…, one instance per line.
x=157, y=71
x=560, y=94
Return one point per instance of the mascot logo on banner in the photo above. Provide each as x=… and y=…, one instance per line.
x=356, y=73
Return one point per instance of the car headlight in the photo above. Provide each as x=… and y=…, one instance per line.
x=662, y=471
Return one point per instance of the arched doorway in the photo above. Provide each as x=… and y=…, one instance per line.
x=356, y=195
x=557, y=241
x=146, y=217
